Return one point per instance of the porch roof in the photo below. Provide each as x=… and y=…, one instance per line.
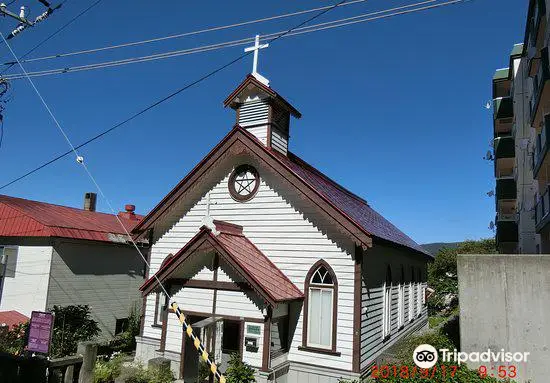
x=241, y=254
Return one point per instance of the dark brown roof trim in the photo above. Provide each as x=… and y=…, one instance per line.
x=250, y=79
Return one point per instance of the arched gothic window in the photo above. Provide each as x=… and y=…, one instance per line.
x=320, y=308
x=401, y=300
x=411, y=295
x=386, y=314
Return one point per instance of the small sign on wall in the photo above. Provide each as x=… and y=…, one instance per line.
x=40, y=332
x=252, y=338
x=253, y=329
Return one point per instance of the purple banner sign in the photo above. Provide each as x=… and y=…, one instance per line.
x=40, y=332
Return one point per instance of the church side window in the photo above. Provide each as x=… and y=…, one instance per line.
x=321, y=290
x=160, y=306
x=401, y=301
x=411, y=296
x=386, y=313
x=419, y=295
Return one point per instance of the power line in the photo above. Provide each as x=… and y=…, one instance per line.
x=372, y=16
x=54, y=33
x=75, y=148
x=185, y=34
x=132, y=117
x=81, y=161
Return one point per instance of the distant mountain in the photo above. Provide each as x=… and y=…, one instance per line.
x=433, y=248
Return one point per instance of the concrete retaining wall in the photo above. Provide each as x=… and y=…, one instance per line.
x=505, y=304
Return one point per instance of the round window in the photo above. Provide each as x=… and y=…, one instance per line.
x=244, y=183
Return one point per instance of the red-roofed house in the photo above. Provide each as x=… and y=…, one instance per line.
x=59, y=255
x=12, y=318
x=268, y=257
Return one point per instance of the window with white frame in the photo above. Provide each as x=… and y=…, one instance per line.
x=8, y=261
x=411, y=297
x=321, y=306
x=401, y=301
x=160, y=307
x=419, y=295
x=386, y=313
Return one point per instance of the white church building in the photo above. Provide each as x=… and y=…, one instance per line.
x=269, y=258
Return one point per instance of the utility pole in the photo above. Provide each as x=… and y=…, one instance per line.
x=21, y=17
x=24, y=23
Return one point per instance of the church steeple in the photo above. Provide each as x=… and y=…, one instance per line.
x=260, y=109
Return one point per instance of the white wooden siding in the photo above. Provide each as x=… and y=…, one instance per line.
x=254, y=358
x=27, y=290
x=260, y=132
x=375, y=263
x=372, y=344
x=290, y=240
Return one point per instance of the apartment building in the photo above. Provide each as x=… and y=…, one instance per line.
x=521, y=101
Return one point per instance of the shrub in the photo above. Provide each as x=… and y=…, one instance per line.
x=107, y=371
x=72, y=324
x=238, y=371
x=126, y=341
x=462, y=375
x=13, y=341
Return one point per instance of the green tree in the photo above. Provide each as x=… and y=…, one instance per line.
x=442, y=273
x=72, y=324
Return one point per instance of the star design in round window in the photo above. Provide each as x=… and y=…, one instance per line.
x=244, y=183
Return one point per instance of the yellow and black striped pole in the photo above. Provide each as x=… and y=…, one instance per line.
x=197, y=343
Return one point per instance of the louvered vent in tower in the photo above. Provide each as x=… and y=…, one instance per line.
x=254, y=112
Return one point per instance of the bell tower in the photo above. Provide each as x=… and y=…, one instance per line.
x=263, y=112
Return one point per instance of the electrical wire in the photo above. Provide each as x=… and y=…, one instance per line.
x=180, y=35
x=85, y=167
x=54, y=33
x=123, y=122
x=372, y=16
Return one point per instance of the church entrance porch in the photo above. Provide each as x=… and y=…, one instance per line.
x=221, y=336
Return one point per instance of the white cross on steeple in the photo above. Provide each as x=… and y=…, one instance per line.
x=256, y=48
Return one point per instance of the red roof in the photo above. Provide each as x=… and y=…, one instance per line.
x=25, y=218
x=254, y=266
x=12, y=318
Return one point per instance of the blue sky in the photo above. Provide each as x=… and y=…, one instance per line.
x=392, y=109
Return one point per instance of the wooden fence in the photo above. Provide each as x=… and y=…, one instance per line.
x=70, y=369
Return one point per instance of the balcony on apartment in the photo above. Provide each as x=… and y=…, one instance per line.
x=540, y=98
x=540, y=158
x=506, y=189
x=542, y=209
x=503, y=108
x=536, y=27
x=501, y=90
x=507, y=236
x=504, y=154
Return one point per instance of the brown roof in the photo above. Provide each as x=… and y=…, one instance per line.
x=25, y=218
x=253, y=81
x=353, y=213
x=253, y=265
